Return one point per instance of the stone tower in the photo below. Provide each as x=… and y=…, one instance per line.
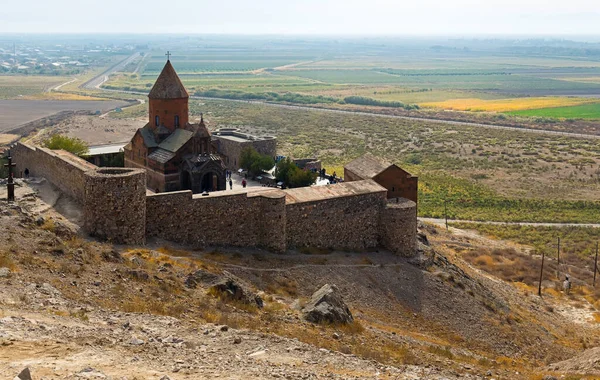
x=168, y=101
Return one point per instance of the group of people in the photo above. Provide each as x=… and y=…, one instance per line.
x=228, y=178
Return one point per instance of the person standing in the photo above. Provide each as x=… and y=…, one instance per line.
x=567, y=285
x=244, y=183
x=230, y=184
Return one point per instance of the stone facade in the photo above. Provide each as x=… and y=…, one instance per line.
x=241, y=220
x=230, y=142
x=399, y=226
x=114, y=206
x=396, y=180
x=178, y=154
x=350, y=222
x=350, y=216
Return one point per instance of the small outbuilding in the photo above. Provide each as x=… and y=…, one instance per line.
x=396, y=180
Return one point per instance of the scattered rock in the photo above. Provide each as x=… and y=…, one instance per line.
x=237, y=340
x=336, y=336
x=40, y=220
x=234, y=289
x=112, y=256
x=4, y=272
x=138, y=275
x=224, y=328
x=136, y=342
x=24, y=375
x=549, y=377
x=326, y=305
x=201, y=277
x=165, y=377
x=257, y=353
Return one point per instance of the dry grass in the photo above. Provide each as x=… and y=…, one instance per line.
x=6, y=261
x=505, y=105
x=48, y=225
x=283, y=286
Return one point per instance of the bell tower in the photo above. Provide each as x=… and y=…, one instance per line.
x=168, y=100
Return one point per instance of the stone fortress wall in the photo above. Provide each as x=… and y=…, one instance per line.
x=349, y=216
x=112, y=199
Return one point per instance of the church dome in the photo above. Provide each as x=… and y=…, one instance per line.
x=168, y=85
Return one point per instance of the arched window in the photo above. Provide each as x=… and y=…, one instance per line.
x=156, y=120
x=177, y=120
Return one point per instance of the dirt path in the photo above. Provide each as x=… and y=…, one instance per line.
x=442, y=223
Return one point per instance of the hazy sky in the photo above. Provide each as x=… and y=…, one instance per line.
x=303, y=17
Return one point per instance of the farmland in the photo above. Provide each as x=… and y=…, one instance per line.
x=513, y=104
x=13, y=86
x=495, y=76
x=584, y=111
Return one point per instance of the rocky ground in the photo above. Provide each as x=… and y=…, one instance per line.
x=72, y=308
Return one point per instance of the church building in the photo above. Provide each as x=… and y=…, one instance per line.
x=177, y=154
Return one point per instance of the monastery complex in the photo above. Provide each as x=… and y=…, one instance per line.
x=171, y=160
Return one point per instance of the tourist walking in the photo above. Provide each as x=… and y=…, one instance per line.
x=26, y=172
x=244, y=183
x=230, y=184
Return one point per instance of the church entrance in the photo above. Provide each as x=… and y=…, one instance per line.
x=209, y=182
x=186, y=180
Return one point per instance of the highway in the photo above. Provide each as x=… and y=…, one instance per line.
x=99, y=80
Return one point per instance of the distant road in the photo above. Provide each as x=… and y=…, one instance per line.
x=442, y=222
x=372, y=114
x=96, y=82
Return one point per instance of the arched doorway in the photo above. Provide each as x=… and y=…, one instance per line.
x=209, y=182
x=186, y=180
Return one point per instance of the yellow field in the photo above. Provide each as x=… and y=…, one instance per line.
x=504, y=105
x=578, y=79
x=53, y=95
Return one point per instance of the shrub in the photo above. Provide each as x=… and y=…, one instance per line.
x=254, y=162
x=290, y=174
x=70, y=144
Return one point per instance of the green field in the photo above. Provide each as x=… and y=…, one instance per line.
x=586, y=111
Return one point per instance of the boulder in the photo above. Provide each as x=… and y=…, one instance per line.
x=327, y=306
x=4, y=272
x=24, y=375
x=234, y=289
x=201, y=277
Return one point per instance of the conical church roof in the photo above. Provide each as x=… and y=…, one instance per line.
x=168, y=85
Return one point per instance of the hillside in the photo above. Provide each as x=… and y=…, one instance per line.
x=73, y=308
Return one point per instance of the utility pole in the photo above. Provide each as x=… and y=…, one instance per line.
x=558, y=255
x=541, y=274
x=11, y=184
x=596, y=264
x=446, y=213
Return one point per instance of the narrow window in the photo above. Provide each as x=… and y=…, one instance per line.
x=393, y=189
x=177, y=120
x=156, y=120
